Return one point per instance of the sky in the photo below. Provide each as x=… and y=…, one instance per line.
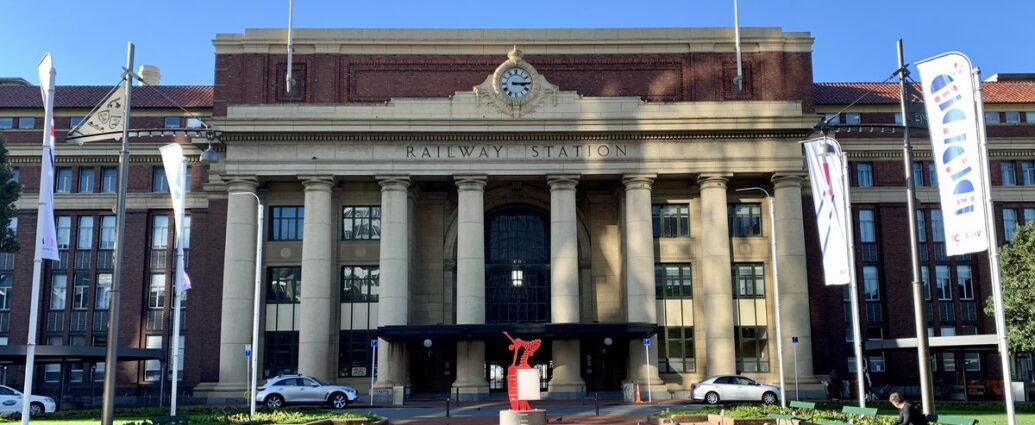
x=854, y=40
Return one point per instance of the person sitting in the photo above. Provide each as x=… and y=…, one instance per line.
x=908, y=413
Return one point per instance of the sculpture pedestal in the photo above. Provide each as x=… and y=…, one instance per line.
x=523, y=417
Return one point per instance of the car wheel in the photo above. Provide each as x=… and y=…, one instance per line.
x=339, y=401
x=711, y=398
x=274, y=401
x=769, y=398
x=35, y=409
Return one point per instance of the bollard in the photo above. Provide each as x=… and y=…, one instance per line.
x=457, y=396
x=447, y=407
x=596, y=398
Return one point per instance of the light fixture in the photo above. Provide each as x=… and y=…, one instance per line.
x=427, y=343
x=209, y=155
x=608, y=341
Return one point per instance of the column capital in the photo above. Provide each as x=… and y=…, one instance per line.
x=638, y=181
x=393, y=182
x=317, y=182
x=471, y=182
x=788, y=180
x=713, y=180
x=242, y=184
x=562, y=181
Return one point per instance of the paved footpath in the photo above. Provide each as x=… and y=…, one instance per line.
x=558, y=412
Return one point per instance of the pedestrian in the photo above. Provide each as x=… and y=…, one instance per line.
x=908, y=413
x=835, y=384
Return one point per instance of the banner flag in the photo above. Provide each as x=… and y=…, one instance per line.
x=104, y=122
x=948, y=91
x=826, y=177
x=46, y=235
x=175, y=172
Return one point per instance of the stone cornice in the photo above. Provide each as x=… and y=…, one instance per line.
x=511, y=137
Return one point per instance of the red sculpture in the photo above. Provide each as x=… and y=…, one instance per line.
x=512, y=383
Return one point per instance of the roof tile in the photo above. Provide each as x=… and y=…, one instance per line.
x=887, y=93
x=90, y=96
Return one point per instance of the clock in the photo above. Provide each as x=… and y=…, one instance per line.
x=515, y=83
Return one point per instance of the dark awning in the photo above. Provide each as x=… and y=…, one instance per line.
x=616, y=331
x=983, y=342
x=15, y=354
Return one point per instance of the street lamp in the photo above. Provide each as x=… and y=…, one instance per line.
x=254, y=358
x=776, y=288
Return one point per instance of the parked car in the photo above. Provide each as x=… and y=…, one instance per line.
x=733, y=388
x=300, y=389
x=11, y=401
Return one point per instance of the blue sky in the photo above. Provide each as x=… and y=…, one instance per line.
x=855, y=40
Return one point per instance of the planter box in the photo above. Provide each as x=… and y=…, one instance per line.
x=348, y=422
x=680, y=419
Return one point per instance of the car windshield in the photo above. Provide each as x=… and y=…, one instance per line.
x=318, y=381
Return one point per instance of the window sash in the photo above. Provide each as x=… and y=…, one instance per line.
x=671, y=220
x=942, y=283
x=673, y=281
x=283, y=285
x=965, y=282
x=84, y=239
x=86, y=180
x=748, y=280
x=745, y=219
x=109, y=180
x=871, y=284
x=102, y=297
x=360, y=284
x=361, y=222
x=287, y=223
x=864, y=174
x=58, y=291
x=160, y=232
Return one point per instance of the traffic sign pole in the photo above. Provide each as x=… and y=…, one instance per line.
x=646, y=349
x=794, y=341
x=373, y=368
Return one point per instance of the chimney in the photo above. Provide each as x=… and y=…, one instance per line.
x=150, y=74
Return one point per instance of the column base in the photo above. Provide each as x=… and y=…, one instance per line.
x=471, y=391
x=658, y=391
x=221, y=393
x=566, y=390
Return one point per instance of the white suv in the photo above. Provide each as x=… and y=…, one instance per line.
x=300, y=389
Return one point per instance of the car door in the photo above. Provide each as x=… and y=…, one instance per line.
x=311, y=390
x=748, y=389
x=724, y=386
x=10, y=401
x=287, y=389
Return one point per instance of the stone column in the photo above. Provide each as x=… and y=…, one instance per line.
x=318, y=281
x=564, y=285
x=794, y=291
x=238, y=287
x=394, y=300
x=716, y=280
x=470, y=284
x=641, y=303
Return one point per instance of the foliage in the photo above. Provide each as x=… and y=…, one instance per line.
x=9, y=192
x=205, y=416
x=1017, y=265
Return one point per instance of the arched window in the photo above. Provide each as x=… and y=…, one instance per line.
x=517, y=265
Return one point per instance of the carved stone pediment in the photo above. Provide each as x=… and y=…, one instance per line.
x=494, y=93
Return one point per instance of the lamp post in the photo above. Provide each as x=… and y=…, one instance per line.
x=833, y=148
x=254, y=358
x=776, y=288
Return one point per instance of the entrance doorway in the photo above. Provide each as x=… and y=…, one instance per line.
x=603, y=365
x=432, y=369
x=517, y=265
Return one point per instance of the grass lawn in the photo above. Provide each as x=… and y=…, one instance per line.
x=199, y=416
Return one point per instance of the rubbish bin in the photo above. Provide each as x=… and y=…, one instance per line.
x=628, y=392
x=398, y=395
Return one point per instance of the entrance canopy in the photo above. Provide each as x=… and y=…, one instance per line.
x=985, y=342
x=15, y=354
x=615, y=331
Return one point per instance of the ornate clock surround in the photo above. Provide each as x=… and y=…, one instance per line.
x=541, y=90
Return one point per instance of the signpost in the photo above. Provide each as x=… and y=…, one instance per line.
x=794, y=342
x=646, y=349
x=373, y=368
x=248, y=357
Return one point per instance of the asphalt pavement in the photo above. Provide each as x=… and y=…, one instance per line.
x=487, y=412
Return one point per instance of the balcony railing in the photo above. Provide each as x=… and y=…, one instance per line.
x=82, y=260
x=100, y=320
x=55, y=321
x=105, y=259
x=946, y=311
x=78, y=322
x=968, y=311
x=155, y=320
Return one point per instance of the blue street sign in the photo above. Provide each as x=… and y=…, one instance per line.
x=794, y=339
x=247, y=350
x=373, y=343
x=646, y=342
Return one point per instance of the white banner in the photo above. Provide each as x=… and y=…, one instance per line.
x=948, y=90
x=46, y=235
x=828, y=196
x=175, y=173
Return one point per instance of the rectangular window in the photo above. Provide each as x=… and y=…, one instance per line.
x=1029, y=216
x=932, y=174
x=287, y=223
x=153, y=368
x=160, y=232
x=74, y=121
x=937, y=226
x=52, y=372
x=187, y=179
x=673, y=281
x=918, y=173
x=98, y=372
x=84, y=239
x=942, y=283
x=281, y=355
x=867, y=230
x=360, y=284
x=965, y=282
x=109, y=179
x=159, y=183
x=670, y=220
x=64, y=231
x=103, y=293
x=752, y=353
x=81, y=291
x=1013, y=117
x=6, y=123
x=676, y=350
x=744, y=219
x=284, y=285
x=86, y=179
x=973, y=361
x=186, y=233
x=172, y=122
x=863, y=174
x=832, y=119
x=354, y=353
x=871, y=284
x=29, y=123
x=63, y=180
x=75, y=372
x=1028, y=173
x=991, y=118
x=948, y=362
x=13, y=226
x=361, y=223
x=1009, y=223
x=1008, y=173
x=5, y=290
x=194, y=123
x=107, y=232
x=156, y=291
x=1029, y=117
x=16, y=175
x=925, y=277
x=58, y=289
x=853, y=118
x=921, y=227
x=748, y=280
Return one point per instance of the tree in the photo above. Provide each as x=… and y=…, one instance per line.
x=10, y=190
x=1017, y=265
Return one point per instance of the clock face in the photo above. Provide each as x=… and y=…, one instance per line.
x=515, y=83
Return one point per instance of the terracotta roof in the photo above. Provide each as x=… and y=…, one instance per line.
x=90, y=96
x=887, y=93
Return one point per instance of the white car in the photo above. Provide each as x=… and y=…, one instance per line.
x=11, y=401
x=300, y=389
x=733, y=388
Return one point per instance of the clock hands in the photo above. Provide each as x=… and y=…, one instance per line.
x=520, y=83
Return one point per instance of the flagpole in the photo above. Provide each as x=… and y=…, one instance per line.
x=290, y=50
x=46, y=175
x=178, y=291
x=923, y=350
x=111, y=352
x=993, y=254
x=853, y=283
